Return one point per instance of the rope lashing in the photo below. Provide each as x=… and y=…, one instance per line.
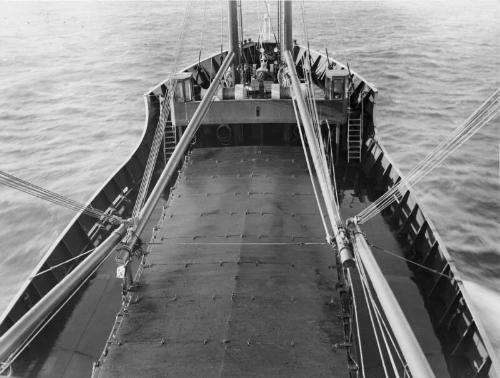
x=55, y=198
x=481, y=117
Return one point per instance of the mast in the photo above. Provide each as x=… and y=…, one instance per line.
x=287, y=44
x=233, y=38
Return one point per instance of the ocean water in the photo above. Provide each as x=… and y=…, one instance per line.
x=73, y=74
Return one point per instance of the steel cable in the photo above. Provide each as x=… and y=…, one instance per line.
x=53, y=197
x=484, y=114
x=365, y=287
x=327, y=232
x=160, y=127
x=383, y=328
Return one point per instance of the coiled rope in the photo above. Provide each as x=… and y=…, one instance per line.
x=484, y=114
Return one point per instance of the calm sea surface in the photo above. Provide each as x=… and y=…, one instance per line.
x=72, y=78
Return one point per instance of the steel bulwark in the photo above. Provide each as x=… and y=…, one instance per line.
x=25, y=327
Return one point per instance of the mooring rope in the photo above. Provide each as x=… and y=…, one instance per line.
x=482, y=116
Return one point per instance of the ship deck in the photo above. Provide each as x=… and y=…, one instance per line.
x=241, y=281
x=238, y=282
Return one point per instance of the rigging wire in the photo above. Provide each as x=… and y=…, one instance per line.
x=378, y=317
x=484, y=114
x=358, y=333
x=383, y=329
x=394, y=344
x=332, y=164
x=55, y=198
x=441, y=151
x=221, y=27
x=437, y=272
x=365, y=287
x=382, y=325
x=241, y=34
x=271, y=23
x=160, y=127
x=8, y=363
x=200, y=49
x=279, y=23
x=203, y=26
x=62, y=263
x=313, y=113
x=342, y=42
x=327, y=232
x=153, y=155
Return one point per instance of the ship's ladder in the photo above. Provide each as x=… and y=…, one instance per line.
x=354, y=138
x=169, y=141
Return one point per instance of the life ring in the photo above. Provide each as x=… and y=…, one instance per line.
x=224, y=134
